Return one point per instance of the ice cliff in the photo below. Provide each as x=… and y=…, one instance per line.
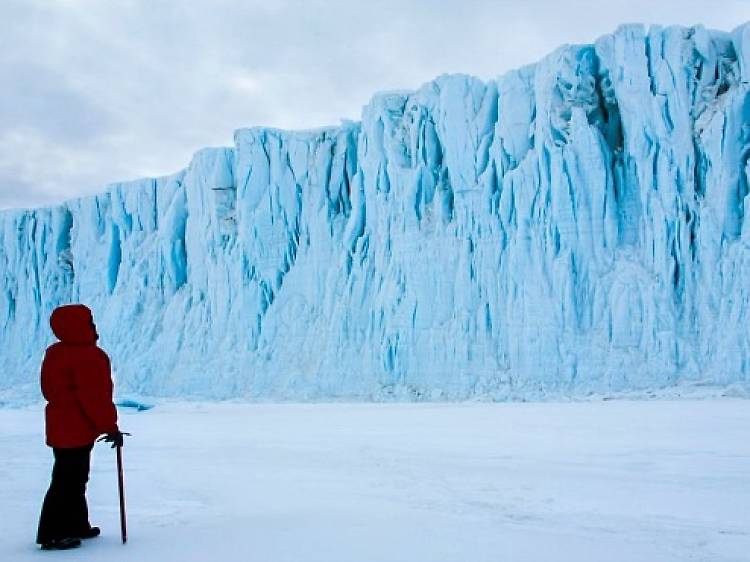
x=574, y=226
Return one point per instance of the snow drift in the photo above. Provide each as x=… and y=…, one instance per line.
x=574, y=226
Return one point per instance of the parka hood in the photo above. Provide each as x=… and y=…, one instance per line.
x=73, y=323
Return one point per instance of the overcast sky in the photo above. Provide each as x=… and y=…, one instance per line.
x=97, y=91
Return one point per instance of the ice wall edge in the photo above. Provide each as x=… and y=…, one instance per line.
x=576, y=226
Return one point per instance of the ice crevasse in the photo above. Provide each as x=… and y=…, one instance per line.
x=575, y=226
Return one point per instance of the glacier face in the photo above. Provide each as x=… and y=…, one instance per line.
x=574, y=226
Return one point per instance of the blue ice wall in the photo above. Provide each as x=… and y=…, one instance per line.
x=574, y=226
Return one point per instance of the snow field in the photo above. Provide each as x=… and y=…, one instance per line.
x=623, y=481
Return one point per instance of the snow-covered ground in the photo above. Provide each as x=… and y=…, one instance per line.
x=590, y=481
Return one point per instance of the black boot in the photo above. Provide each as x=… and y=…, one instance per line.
x=90, y=533
x=61, y=544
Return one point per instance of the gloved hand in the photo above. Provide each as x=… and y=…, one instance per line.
x=116, y=438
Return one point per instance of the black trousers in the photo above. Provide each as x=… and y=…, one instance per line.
x=64, y=511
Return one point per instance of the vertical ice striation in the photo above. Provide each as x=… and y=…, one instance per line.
x=574, y=226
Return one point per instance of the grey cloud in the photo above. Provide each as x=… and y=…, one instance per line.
x=39, y=97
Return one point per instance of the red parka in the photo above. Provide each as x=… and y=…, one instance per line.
x=76, y=381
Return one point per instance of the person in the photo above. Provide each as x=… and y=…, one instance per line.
x=77, y=384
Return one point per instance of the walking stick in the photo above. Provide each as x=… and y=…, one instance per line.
x=116, y=438
x=121, y=488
